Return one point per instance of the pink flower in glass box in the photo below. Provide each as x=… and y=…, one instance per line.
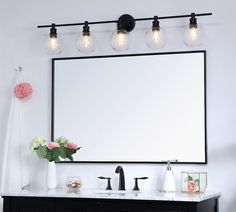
x=193, y=182
x=193, y=186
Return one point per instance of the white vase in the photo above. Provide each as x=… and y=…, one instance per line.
x=169, y=182
x=51, y=175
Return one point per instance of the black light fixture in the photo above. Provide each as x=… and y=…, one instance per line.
x=193, y=34
x=120, y=39
x=54, y=42
x=85, y=42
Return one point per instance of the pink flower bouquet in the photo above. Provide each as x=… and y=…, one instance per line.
x=58, y=150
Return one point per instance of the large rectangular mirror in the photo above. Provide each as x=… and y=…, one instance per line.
x=132, y=108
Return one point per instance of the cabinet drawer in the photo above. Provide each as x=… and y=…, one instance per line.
x=31, y=205
x=118, y=206
x=75, y=205
x=163, y=207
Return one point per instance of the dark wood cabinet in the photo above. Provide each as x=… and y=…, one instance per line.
x=19, y=204
x=165, y=207
x=118, y=206
x=53, y=204
x=74, y=205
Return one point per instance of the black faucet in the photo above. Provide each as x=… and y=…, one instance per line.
x=119, y=170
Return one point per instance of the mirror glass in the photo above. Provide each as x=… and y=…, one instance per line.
x=132, y=108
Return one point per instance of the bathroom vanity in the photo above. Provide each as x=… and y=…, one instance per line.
x=109, y=201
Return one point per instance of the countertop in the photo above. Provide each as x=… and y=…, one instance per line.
x=114, y=194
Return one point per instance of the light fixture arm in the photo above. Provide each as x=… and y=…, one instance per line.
x=123, y=19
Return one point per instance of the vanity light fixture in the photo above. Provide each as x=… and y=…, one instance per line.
x=85, y=43
x=193, y=34
x=54, y=41
x=120, y=39
x=156, y=36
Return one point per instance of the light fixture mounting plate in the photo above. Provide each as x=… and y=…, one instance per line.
x=126, y=22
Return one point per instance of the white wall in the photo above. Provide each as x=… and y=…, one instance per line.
x=21, y=45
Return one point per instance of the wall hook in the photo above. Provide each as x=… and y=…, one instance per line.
x=19, y=69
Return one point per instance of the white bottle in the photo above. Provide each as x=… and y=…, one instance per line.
x=169, y=181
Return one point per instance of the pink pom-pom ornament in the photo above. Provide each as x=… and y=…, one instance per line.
x=23, y=90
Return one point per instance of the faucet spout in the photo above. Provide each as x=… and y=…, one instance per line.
x=119, y=170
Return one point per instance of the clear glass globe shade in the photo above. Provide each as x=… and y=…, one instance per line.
x=156, y=38
x=54, y=45
x=193, y=36
x=120, y=40
x=85, y=43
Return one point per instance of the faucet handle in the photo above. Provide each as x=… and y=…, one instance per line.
x=141, y=178
x=108, y=182
x=136, y=188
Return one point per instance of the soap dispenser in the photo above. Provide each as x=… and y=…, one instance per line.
x=168, y=181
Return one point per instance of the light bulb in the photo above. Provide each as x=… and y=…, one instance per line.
x=120, y=40
x=156, y=38
x=54, y=42
x=85, y=43
x=54, y=45
x=193, y=36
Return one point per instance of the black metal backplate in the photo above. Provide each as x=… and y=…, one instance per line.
x=126, y=22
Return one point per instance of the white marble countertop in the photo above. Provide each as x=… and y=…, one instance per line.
x=114, y=194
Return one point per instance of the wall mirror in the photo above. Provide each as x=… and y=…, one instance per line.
x=142, y=108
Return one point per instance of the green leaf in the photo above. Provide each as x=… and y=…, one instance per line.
x=41, y=151
x=70, y=157
x=63, y=153
x=49, y=156
x=67, y=153
x=197, y=181
x=190, y=178
x=57, y=159
x=55, y=154
x=62, y=141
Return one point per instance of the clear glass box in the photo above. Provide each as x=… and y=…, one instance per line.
x=73, y=184
x=193, y=182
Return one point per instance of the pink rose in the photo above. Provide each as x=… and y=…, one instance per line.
x=52, y=145
x=72, y=146
x=23, y=90
x=193, y=187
